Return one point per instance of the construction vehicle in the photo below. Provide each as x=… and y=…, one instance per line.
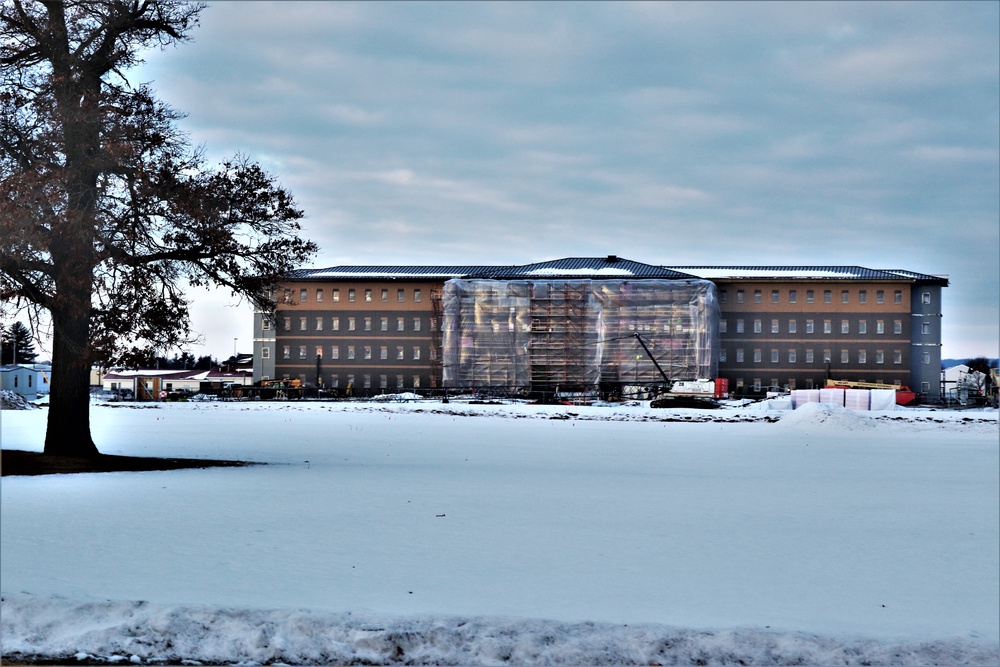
x=273, y=389
x=903, y=394
x=698, y=393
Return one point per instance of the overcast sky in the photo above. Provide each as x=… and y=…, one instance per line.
x=858, y=133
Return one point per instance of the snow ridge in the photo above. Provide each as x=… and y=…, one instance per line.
x=47, y=628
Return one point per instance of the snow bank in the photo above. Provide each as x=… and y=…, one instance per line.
x=13, y=401
x=36, y=628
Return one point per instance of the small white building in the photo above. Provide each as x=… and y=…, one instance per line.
x=156, y=384
x=22, y=380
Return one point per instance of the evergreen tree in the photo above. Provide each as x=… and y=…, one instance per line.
x=17, y=345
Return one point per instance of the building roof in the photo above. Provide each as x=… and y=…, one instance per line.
x=807, y=273
x=611, y=266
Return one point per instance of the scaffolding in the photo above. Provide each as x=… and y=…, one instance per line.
x=543, y=335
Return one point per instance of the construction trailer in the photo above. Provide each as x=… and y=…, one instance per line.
x=577, y=335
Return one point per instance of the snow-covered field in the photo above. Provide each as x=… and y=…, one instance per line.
x=429, y=533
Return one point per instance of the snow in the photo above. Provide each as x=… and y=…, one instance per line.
x=715, y=273
x=606, y=271
x=426, y=533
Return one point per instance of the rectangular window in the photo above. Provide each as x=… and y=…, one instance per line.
x=416, y=352
x=723, y=296
x=791, y=356
x=925, y=328
x=810, y=296
x=827, y=356
x=739, y=296
x=351, y=295
x=383, y=324
x=880, y=296
x=286, y=352
x=862, y=356
x=335, y=352
x=302, y=351
x=757, y=296
x=399, y=352
x=335, y=380
x=879, y=356
x=809, y=356
x=383, y=352
x=416, y=324
x=265, y=352
x=399, y=382
x=775, y=296
x=827, y=327
x=739, y=325
x=303, y=295
x=350, y=351
x=385, y=295
x=319, y=294
x=739, y=355
x=897, y=356
x=286, y=296
x=383, y=381
x=844, y=357
x=265, y=324
x=400, y=324
x=863, y=296
x=863, y=326
x=756, y=384
x=925, y=358
x=774, y=356
x=792, y=296
x=367, y=381
x=897, y=296
x=792, y=326
x=880, y=326
x=925, y=387
x=416, y=295
x=400, y=295
x=845, y=296
x=827, y=296
x=722, y=356
x=775, y=326
x=925, y=298
x=335, y=323
x=351, y=324
x=368, y=324
x=845, y=326
x=897, y=327
x=757, y=327
x=335, y=294
x=416, y=382
x=302, y=324
x=723, y=326
x=368, y=296
x=368, y=352
x=319, y=324
x=319, y=352
x=810, y=327
x=757, y=356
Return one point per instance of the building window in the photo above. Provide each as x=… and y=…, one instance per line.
x=774, y=296
x=302, y=351
x=925, y=328
x=368, y=295
x=863, y=296
x=335, y=323
x=756, y=384
x=319, y=352
x=319, y=294
x=722, y=355
x=286, y=352
x=416, y=382
x=286, y=296
x=723, y=296
x=827, y=296
x=845, y=326
x=757, y=357
x=350, y=351
x=827, y=327
x=879, y=356
x=809, y=356
x=368, y=324
x=265, y=352
x=827, y=356
x=897, y=296
x=739, y=325
x=302, y=324
x=366, y=381
x=862, y=356
x=845, y=296
x=351, y=295
x=416, y=324
x=303, y=295
x=810, y=327
x=384, y=295
x=723, y=326
x=416, y=295
x=739, y=296
x=775, y=326
x=368, y=352
x=319, y=324
x=880, y=296
x=383, y=381
x=400, y=324
x=925, y=298
x=925, y=358
x=844, y=357
x=739, y=355
x=897, y=327
x=399, y=352
x=265, y=324
x=792, y=296
x=791, y=356
x=757, y=327
x=792, y=326
x=416, y=352
x=774, y=356
x=351, y=324
x=810, y=296
x=863, y=326
x=335, y=294
x=335, y=381
x=335, y=352
x=756, y=296
x=383, y=324
x=880, y=326
x=400, y=295
x=897, y=356
x=383, y=352
x=925, y=387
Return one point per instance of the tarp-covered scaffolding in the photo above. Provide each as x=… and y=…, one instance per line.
x=543, y=334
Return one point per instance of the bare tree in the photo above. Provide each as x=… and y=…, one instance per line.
x=106, y=211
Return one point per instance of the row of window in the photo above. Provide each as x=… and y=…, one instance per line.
x=366, y=381
x=367, y=323
x=792, y=326
x=352, y=295
x=792, y=296
x=810, y=356
x=351, y=351
x=775, y=384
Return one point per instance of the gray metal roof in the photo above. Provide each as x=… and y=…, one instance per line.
x=395, y=272
x=611, y=266
x=750, y=272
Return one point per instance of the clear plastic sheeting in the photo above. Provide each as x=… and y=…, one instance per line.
x=544, y=334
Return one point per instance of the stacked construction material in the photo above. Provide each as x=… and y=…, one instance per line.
x=579, y=333
x=832, y=395
x=857, y=399
x=802, y=396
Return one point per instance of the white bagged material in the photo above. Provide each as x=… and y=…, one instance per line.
x=832, y=395
x=802, y=396
x=883, y=399
x=857, y=399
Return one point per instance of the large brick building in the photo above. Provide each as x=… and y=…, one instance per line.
x=389, y=328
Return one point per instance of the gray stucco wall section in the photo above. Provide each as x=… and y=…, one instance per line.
x=925, y=340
